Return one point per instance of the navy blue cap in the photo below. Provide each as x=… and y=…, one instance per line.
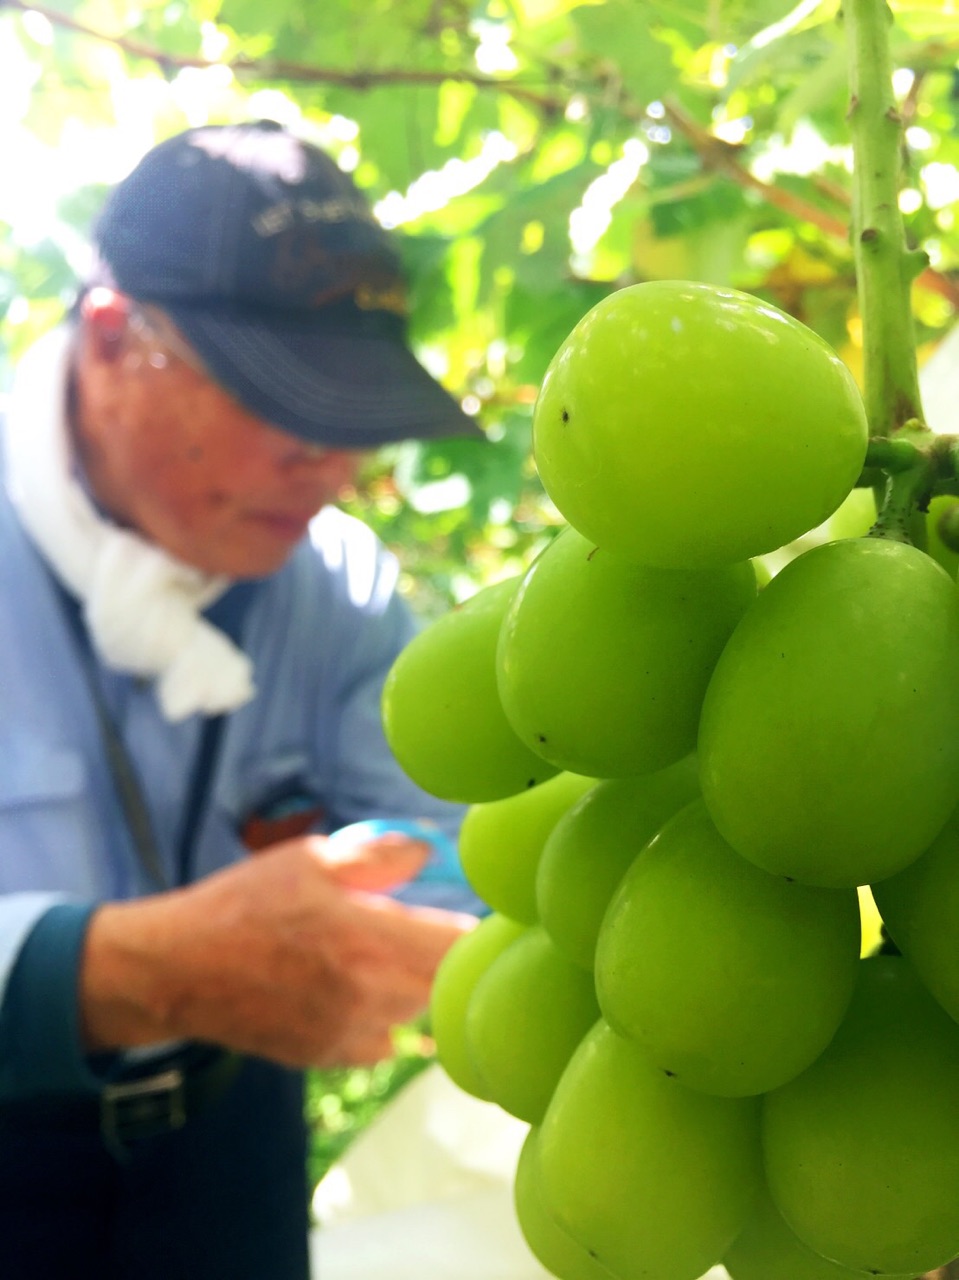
x=269, y=261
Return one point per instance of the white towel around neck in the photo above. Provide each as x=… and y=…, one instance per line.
x=142, y=606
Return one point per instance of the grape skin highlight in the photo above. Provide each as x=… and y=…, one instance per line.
x=828, y=746
x=441, y=714
x=602, y=663
x=688, y=425
x=652, y=1179
x=730, y=979
x=862, y=1150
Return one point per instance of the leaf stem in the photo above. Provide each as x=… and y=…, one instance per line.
x=885, y=269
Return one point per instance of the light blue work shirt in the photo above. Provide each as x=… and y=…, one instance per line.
x=322, y=633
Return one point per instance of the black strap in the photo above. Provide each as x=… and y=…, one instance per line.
x=129, y=791
x=228, y=614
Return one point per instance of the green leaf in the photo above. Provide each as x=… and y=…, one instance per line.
x=619, y=32
x=718, y=203
x=538, y=324
x=399, y=128
x=926, y=19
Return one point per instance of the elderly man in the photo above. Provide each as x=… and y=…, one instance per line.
x=194, y=643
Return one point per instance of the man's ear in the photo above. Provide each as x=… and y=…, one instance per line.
x=105, y=314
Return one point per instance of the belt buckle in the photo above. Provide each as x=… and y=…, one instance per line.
x=131, y=1109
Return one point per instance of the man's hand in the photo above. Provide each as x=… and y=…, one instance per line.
x=292, y=955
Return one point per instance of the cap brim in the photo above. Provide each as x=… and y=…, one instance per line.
x=352, y=390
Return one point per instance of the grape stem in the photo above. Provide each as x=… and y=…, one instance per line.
x=885, y=267
x=906, y=492
x=907, y=471
x=893, y=456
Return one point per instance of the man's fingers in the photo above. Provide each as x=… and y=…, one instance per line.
x=421, y=935
x=376, y=864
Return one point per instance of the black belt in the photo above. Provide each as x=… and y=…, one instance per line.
x=151, y=1096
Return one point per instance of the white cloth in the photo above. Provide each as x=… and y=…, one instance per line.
x=142, y=606
x=425, y=1192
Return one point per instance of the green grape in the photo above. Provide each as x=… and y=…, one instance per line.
x=527, y=1014
x=828, y=749
x=501, y=842
x=652, y=1179
x=862, y=1150
x=691, y=425
x=603, y=662
x=766, y=1249
x=591, y=846
x=441, y=713
x=460, y=969
x=730, y=979
x=920, y=907
x=559, y=1253
x=942, y=531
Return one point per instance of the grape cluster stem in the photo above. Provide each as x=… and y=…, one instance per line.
x=885, y=266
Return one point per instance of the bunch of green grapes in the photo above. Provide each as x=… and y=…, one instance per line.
x=680, y=786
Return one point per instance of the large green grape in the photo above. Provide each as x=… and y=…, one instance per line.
x=441, y=712
x=653, y=1179
x=559, y=1253
x=920, y=909
x=766, y=1249
x=588, y=851
x=527, y=1014
x=828, y=748
x=501, y=842
x=603, y=662
x=456, y=978
x=862, y=1150
x=732, y=980
x=688, y=424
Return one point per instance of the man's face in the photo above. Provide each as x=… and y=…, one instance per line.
x=171, y=454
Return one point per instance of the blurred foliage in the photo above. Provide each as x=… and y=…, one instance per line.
x=536, y=154
x=340, y=1103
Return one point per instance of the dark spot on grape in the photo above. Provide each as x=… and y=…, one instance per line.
x=671, y=1074
x=592, y=553
x=593, y=1254
x=790, y=879
x=530, y=783
x=566, y=415
x=541, y=737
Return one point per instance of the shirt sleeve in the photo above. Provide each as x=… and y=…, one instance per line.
x=40, y=1046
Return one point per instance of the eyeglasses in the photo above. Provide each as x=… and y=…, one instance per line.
x=159, y=333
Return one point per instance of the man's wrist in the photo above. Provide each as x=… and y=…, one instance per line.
x=125, y=982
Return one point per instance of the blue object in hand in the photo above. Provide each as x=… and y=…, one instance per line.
x=440, y=882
